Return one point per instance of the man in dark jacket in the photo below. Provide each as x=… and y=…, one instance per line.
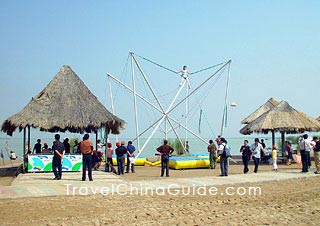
x=120, y=152
x=165, y=151
x=58, y=152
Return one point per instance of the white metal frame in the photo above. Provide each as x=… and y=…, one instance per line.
x=166, y=118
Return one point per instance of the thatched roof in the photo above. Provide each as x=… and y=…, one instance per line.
x=262, y=109
x=282, y=118
x=66, y=104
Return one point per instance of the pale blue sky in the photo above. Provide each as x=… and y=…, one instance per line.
x=274, y=48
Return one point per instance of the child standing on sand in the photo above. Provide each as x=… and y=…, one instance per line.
x=274, y=158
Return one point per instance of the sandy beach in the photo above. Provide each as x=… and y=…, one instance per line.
x=294, y=202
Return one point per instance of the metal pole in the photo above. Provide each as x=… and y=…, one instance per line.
x=138, y=95
x=190, y=131
x=146, y=80
x=135, y=102
x=29, y=145
x=111, y=98
x=105, y=150
x=24, y=150
x=225, y=101
x=96, y=132
x=187, y=112
x=161, y=120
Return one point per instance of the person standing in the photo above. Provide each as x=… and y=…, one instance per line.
x=305, y=147
x=288, y=148
x=256, y=149
x=246, y=153
x=224, y=164
x=316, y=151
x=187, y=147
x=37, y=147
x=58, y=152
x=212, y=149
x=274, y=158
x=66, y=145
x=86, y=148
x=130, y=156
x=165, y=151
x=109, y=157
x=120, y=152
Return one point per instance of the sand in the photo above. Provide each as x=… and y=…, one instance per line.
x=294, y=202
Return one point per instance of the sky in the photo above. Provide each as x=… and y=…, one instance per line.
x=274, y=48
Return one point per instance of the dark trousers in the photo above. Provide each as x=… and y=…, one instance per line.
x=57, y=163
x=256, y=163
x=120, y=163
x=86, y=163
x=109, y=160
x=245, y=160
x=165, y=165
x=304, y=160
x=224, y=165
x=128, y=165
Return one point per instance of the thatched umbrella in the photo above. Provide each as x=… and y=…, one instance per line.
x=66, y=104
x=282, y=118
x=262, y=109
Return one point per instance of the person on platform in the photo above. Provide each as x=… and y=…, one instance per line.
x=66, y=145
x=37, y=147
x=256, y=150
x=165, y=151
x=212, y=149
x=246, y=154
x=58, y=153
x=46, y=150
x=86, y=148
x=130, y=157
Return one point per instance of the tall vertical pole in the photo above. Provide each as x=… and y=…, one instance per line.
x=187, y=112
x=105, y=150
x=225, y=101
x=29, y=145
x=111, y=99
x=135, y=102
x=24, y=150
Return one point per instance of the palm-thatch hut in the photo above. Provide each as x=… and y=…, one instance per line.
x=262, y=109
x=66, y=104
x=282, y=118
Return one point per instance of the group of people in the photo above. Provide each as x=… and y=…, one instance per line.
x=223, y=150
x=122, y=152
x=306, y=146
x=45, y=149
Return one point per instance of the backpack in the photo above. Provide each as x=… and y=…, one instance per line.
x=226, y=151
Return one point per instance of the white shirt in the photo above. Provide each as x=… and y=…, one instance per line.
x=256, y=148
x=221, y=148
x=305, y=144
